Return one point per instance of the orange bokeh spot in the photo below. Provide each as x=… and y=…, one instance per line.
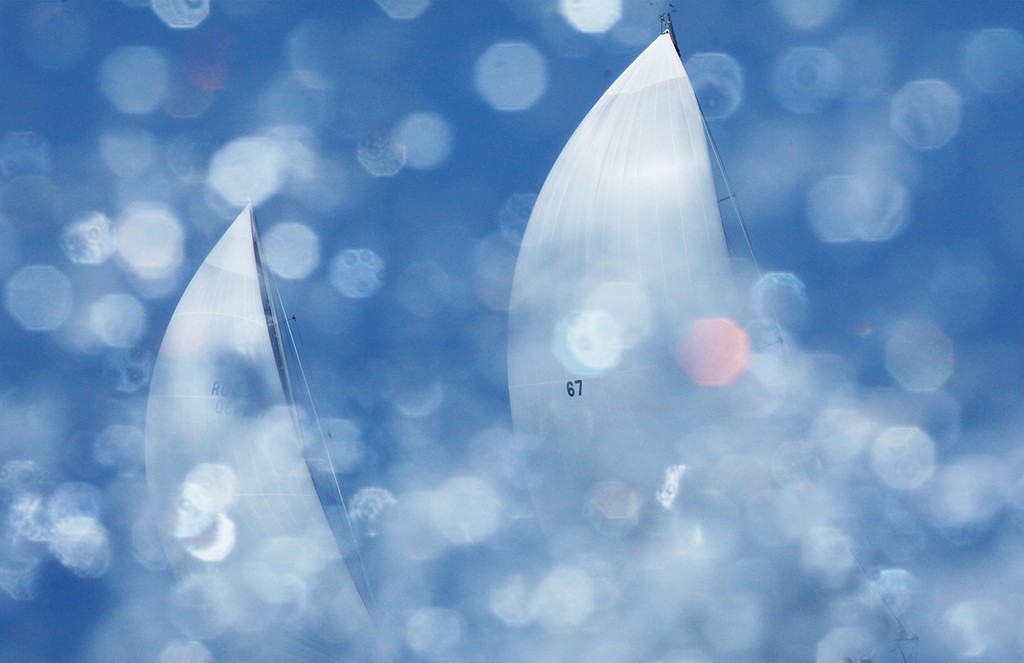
x=716, y=352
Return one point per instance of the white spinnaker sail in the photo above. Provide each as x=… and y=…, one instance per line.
x=236, y=507
x=624, y=250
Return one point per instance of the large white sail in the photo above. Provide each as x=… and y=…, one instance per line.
x=624, y=252
x=236, y=506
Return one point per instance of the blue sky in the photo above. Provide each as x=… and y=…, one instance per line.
x=874, y=148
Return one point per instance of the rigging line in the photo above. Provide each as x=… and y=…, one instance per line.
x=904, y=632
x=327, y=453
x=275, y=330
x=734, y=200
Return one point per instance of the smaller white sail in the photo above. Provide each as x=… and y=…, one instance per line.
x=236, y=508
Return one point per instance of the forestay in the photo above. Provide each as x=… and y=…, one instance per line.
x=623, y=253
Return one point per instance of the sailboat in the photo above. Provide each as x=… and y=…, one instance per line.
x=623, y=304
x=249, y=510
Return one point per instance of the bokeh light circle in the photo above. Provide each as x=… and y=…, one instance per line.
x=591, y=16
x=715, y=352
x=357, y=273
x=717, y=80
x=919, y=355
x=926, y=113
x=903, y=457
x=511, y=76
x=39, y=297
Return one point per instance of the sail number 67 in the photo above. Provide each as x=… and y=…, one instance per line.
x=574, y=388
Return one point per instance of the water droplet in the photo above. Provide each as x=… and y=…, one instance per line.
x=90, y=239
x=82, y=545
x=781, y=296
x=247, y=169
x=134, y=79
x=128, y=370
x=591, y=16
x=357, y=273
x=127, y=152
x=717, y=81
x=994, y=60
x=515, y=214
x=292, y=250
x=368, y=506
x=808, y=14
x=24, y=153
x=181, y=13
x=434, y=632
x=844, y=208
x=150, y=240
x=56, y=35
x=903, y=457
x=511, y=76
x=186, y=651
x=404, y=10
x=427, y=139
x=919, y=356
x=39, y=297
x=380, y=155
x=588, y=342
x=465, y=510
x=926, y=114
x=118, y=319
x=807, y=79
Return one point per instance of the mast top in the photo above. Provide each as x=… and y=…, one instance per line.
x=667, y=29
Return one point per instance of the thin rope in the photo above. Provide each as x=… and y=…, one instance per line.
x=904, y=632
x=327, y=452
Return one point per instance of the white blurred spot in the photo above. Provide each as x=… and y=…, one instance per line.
x=128, y=369
x=181, y=13
x=248, y=169
x=844, y=208
x=427, y=139
x=404, y=10
x=89, y=240
x=150, y=240
x=39, y=297
x=510, y=601
x=186, y=651
x=511, y=76
x=515, y=214
x=434, y=632
x=82, y=545
x=588, y=342
x=420, y=402
x=127, y=152
x=970, y=626
x=926, y=113
x=919, y=356
x=357, y=273
x=411, y=530
x=669, y=489
x=866, y=61
x=380, y=154
x=24, y=153
x=134, y=79
x=826, y=554
x=28, y=518
x=903, y=457
x=74, y=499
x=117, y=319
x=18, y=578
x=994, y=60
x=843, y=642
x=898, y=588
x=591, y=16
x=120, y=446
x=807, y=79
x=780, y=296
x=808, y=14
x=734, y=623
x=465, y=510
x=367, y=507
x=215, y=542
x=56, y=35
x=564, y=600
x=612, y=507
x=628, y=304
x=717, y=80
x=292, y=249
x=969, y=493
x=685, y=656
x=842, y=433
